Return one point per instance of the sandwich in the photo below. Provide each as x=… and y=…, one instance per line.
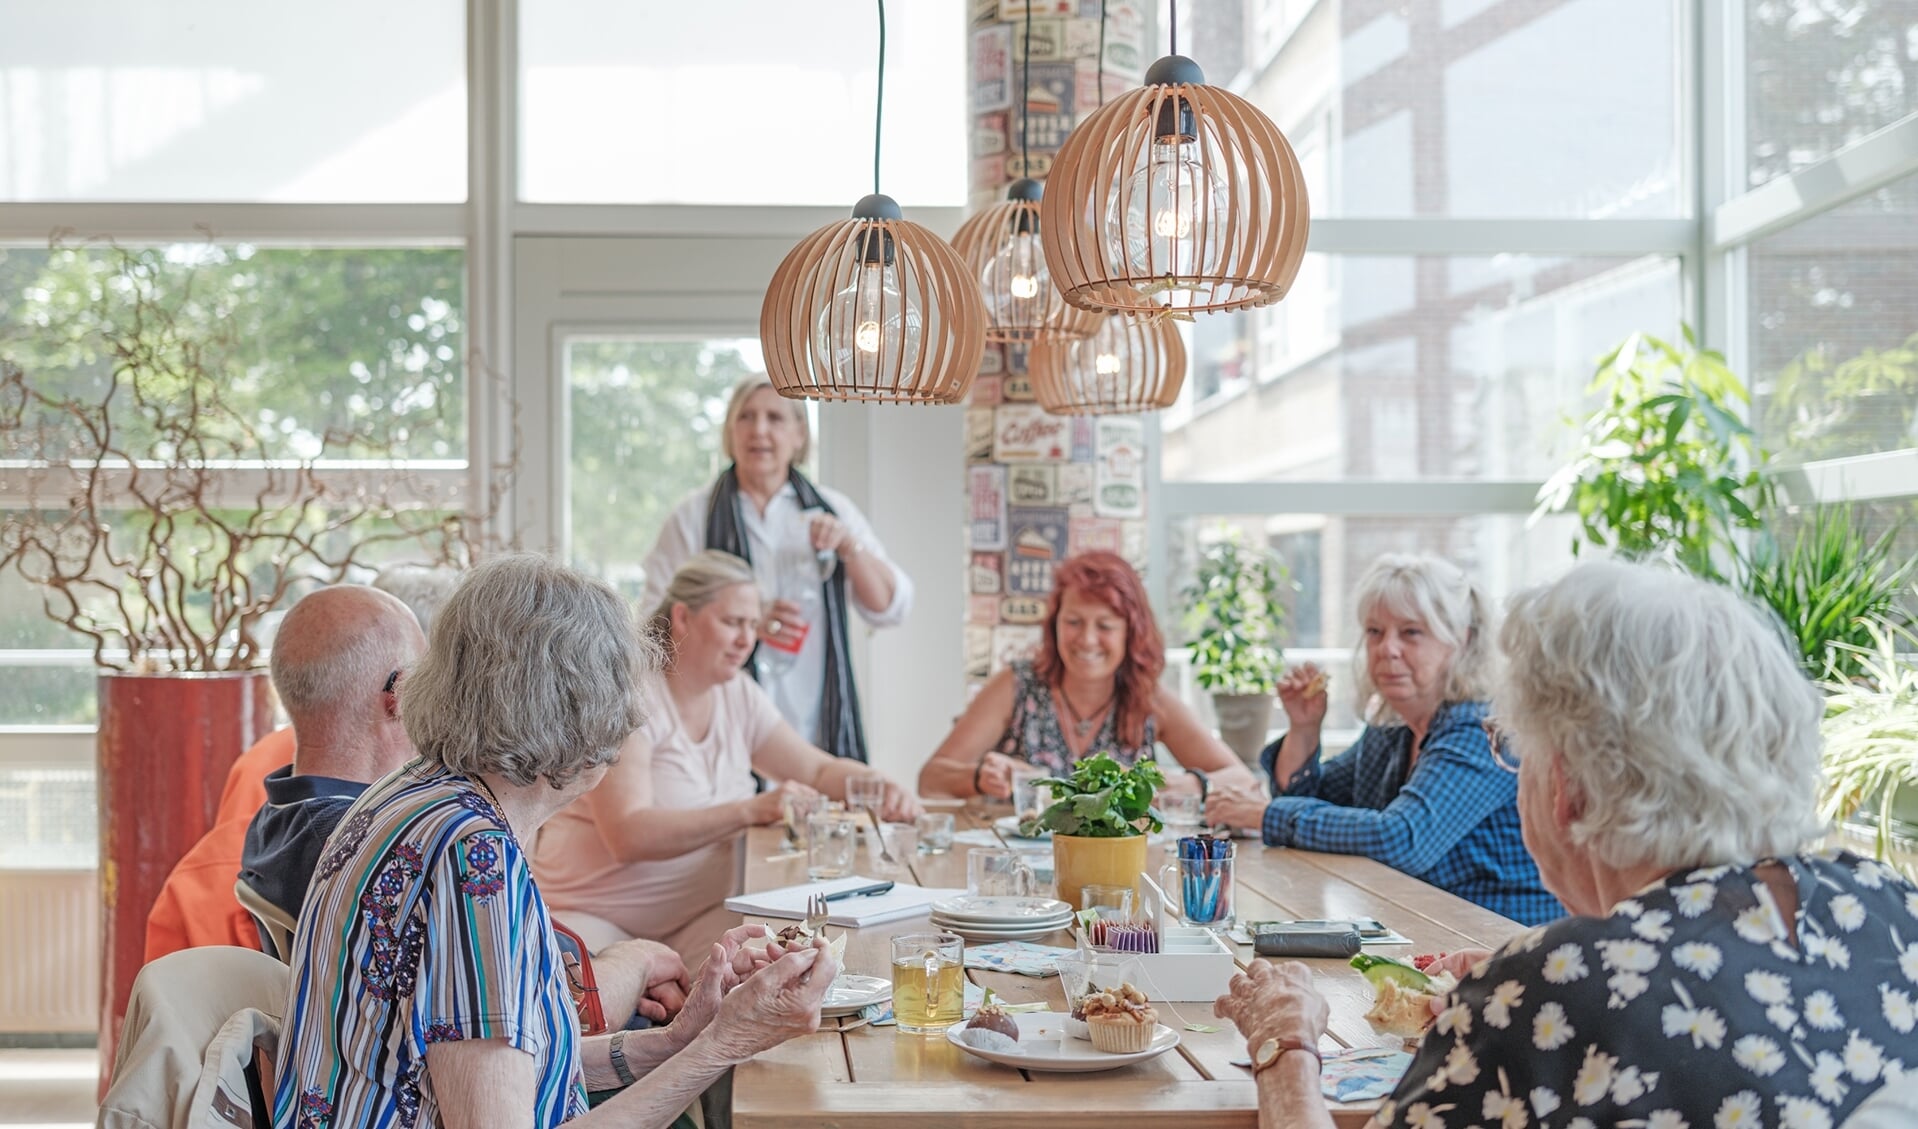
x=1402, y=994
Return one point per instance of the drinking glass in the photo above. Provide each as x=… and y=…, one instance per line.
x=999, y=872
x=1114, y=903
x=799, y=812
x=1179, y=809
x=867, y=793
x=935, y=833
x=830, y=839
x=1198, y=883
x=928, y=982
x=1028, y=801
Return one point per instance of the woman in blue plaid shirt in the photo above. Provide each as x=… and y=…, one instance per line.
x=1420, y=791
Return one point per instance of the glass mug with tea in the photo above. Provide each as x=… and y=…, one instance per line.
x=831, y=837
x=1198, y=882
x=999, y=872
x=928, y=982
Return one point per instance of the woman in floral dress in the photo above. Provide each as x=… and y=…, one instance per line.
x=1716, y=973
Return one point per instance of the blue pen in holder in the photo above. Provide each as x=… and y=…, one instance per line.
x=1201, y=879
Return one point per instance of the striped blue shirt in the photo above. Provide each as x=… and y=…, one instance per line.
x=1453, y=823
x=422, y=925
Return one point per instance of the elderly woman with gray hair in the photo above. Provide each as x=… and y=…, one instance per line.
x=427, y=988
x=1716, y=973
x=1420, y=790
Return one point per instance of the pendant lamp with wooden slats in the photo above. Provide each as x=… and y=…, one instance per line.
x=1002, y=247
x=873, y=308
x=1176, y=196
x=1129, y=365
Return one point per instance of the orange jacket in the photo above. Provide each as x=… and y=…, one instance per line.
x=196, y=906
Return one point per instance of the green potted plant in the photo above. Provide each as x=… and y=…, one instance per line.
x=1665, y=464
x=1871, y=736
x=1832, y=586
x=1099, y=817
x=1235, y=618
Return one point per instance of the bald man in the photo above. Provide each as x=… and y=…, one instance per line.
x=337, y=659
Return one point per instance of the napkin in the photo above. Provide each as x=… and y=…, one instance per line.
x=1021, y=957
x=903, y=900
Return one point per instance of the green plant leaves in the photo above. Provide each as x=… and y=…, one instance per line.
x=1234, y=610
x=1102, y=800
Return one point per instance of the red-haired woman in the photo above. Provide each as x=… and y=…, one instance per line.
x=1093, y=689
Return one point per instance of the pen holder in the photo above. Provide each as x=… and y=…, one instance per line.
x=1199, y=882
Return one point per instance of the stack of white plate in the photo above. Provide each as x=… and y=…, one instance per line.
x=979, y=918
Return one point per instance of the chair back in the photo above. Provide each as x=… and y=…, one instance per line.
x=200, y=1023
x=275, y=925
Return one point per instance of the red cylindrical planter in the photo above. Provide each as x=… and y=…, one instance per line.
x=166, y=742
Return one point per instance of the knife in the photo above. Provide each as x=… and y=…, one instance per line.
x=861, y=891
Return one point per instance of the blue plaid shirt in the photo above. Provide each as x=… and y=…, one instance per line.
x=1453, y=824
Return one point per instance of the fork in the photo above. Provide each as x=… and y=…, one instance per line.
x=817, y=914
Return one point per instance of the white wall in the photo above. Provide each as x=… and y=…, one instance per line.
x=902, y=466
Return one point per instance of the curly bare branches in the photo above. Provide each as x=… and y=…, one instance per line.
x=132, y=526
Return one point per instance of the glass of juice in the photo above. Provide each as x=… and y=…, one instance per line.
x=928, y=982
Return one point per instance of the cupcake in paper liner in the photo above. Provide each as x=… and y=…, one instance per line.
x=1120, y=1020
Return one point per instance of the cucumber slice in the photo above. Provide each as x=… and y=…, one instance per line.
x=1380, y=969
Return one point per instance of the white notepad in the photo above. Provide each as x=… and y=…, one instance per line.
x=903, y=900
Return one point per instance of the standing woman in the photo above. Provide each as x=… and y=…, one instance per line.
x=763, y=510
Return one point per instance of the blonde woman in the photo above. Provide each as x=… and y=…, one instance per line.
x=654, y=850
x=764, y=511
x=1420, y=791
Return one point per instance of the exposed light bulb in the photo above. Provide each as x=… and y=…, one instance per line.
x=870, y=332
x=1164, y=222
x=1015, y=281
x=1106, y=363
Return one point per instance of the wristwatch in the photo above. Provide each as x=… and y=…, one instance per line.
x=1274, y=1049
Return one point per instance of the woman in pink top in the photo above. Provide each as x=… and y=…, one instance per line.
x=655, y=848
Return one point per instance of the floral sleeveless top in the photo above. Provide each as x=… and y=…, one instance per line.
x=1034, y=735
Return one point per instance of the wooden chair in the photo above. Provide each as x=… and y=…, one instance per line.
x=275, y=924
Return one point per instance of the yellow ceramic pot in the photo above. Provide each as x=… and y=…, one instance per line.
x=1079, y=861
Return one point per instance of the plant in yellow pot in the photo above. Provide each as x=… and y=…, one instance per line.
x=1099, y=818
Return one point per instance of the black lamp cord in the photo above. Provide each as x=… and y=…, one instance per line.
x=879, y=101
x=1175, y=26
x=1102, y=52
x=1025, y=95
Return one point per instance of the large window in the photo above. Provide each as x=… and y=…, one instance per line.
x=646, y=419
x=225, y=100
x=1820, y=74
x=1399, y=367
x=1486, y=108
x=760, y=102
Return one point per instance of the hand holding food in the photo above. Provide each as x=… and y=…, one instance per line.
x=1302, y=693
x=1404, y=996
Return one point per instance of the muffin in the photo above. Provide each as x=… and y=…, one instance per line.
x=1121, y=1020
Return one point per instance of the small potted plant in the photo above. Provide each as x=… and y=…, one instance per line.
x=1235, y=616
x=1099, y=818
x=1871, y=734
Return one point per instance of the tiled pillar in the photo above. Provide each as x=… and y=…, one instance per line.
x=1039, y=487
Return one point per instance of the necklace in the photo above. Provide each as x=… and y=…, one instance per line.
x=1082, y=725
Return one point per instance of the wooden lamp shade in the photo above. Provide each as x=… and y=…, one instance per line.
x=1002, y=247
x=1176, y=195
x=1129, y=365
x=873, y=308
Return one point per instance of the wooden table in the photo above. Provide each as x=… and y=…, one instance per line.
x=877, y=1076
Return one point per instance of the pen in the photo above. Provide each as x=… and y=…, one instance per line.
x=861, y=891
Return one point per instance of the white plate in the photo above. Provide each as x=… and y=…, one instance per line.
x=1001, y=910
x=1008, y=825
x=852, y=993
x=1002, y=926
x=987, y=938
x=1044, y=1045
